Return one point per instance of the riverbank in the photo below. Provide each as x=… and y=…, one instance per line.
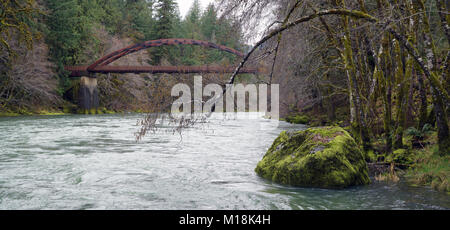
x=61, y=112
x=9, y=113
x=430, y=169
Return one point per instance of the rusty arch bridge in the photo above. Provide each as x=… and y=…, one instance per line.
x=88, y=99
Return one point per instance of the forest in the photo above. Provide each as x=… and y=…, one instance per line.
x=377, y=68
x=40, y=37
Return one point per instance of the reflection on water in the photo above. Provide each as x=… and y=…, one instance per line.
x=94, y=162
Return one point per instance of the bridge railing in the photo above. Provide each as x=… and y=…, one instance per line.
x=79, y=71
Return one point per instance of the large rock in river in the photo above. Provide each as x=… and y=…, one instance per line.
x=325, y=157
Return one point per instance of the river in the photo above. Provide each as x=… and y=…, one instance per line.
x=94, y=162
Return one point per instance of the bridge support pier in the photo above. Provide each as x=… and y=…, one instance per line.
x=88, y=99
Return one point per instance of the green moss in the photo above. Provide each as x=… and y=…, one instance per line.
x=69, y=109
x=400, y=156
x=26, y=112
x=370, y=155
x=319, y=157
x=298, y=119
x=87, y=111
x=51, y=113
x=106, y=111
x=8, y=114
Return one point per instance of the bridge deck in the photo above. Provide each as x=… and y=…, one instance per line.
x=79, y=71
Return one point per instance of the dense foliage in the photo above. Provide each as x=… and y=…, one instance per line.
x=380, y=68
x=72, y=23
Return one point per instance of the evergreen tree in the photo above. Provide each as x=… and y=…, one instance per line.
x=194, y=13
x=192, y=55
x=164, y=27
x=143, y=18
x=209, y=26
x=229, y=34
x=209, y=23
x=67, y=28
x=137, y=19
x=114, y=15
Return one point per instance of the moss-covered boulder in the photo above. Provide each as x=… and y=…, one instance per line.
x=325, y=157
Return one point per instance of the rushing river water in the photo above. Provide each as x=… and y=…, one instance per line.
x=94, y=162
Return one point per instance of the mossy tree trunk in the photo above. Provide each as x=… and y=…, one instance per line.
x=386, y=22
x=440, y=95
x=358, y=122
x=445, y=19
x=400, y=84
x=423, y=110
x=386, y=91
x=403, y=76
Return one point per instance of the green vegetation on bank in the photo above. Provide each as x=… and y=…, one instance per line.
x=430, y=169
x=419, y=161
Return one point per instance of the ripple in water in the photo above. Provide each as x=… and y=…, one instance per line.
x=94, y=162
